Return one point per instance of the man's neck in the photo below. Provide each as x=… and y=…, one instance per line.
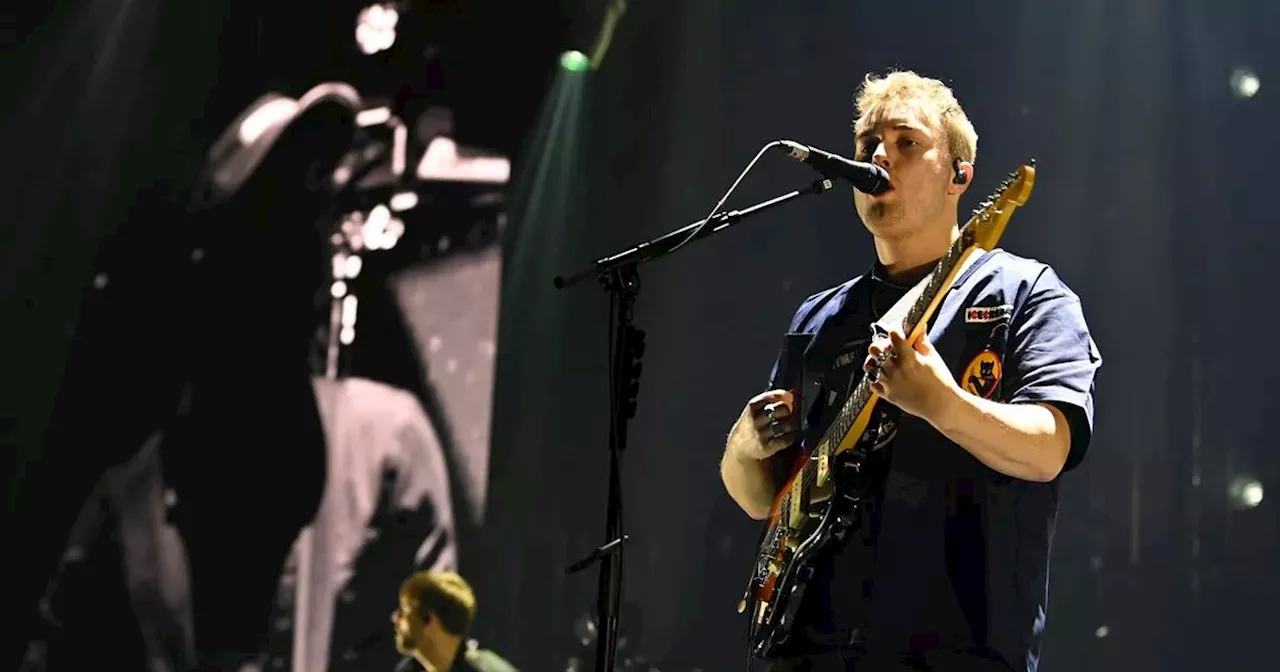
x=908, y=257
x=426, y=663
x=440, y=660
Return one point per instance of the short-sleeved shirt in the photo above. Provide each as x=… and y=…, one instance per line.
x=952, y=556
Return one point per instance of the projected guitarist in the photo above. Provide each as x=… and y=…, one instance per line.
x=945, y=565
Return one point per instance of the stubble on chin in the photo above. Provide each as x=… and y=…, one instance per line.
x=880, y=217
x=876, y=212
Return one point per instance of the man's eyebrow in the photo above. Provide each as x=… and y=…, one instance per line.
x=897, y=127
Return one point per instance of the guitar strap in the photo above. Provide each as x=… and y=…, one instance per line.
x=806, y=356
x=834, y=335
x=894, y=317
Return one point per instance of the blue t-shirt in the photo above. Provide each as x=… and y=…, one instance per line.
x=953, y=557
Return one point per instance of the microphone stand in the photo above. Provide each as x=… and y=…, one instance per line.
x=619, y=276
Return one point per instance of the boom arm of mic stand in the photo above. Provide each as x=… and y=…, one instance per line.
x=659, y=247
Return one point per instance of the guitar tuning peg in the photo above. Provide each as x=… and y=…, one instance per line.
x=1033, y=162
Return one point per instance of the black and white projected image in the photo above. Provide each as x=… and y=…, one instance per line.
x=452, y=310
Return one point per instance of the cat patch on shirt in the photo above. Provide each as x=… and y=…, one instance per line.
x=983, y=374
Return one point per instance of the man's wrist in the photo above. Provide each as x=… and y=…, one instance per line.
x=948, y=408
x=736, y=448
x=740, y=456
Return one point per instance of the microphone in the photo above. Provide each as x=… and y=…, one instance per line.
x=866, y=177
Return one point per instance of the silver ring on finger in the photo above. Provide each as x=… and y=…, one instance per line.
x=775, y=429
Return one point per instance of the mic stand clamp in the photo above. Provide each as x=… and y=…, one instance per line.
x=596, y=555
x=619, y=276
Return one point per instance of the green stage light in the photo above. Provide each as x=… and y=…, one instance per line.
x=574, y=61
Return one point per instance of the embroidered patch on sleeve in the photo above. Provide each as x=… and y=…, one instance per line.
x=984, y=314
x=982, y=375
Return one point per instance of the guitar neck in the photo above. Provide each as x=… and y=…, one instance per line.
x=920, y=305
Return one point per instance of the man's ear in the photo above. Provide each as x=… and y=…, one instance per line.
x=961, y=176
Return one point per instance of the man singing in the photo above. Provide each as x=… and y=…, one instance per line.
x=949, y=570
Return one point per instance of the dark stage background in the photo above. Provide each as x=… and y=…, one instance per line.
x=1153, y=175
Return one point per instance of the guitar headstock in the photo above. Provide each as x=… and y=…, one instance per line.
x=992, y=215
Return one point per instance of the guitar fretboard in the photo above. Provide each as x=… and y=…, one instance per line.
x=844, y=421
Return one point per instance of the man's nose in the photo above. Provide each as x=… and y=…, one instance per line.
x=880, y=157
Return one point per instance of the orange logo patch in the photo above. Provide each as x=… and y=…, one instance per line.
x=982, y=376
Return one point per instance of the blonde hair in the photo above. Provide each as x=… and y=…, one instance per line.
x=930, y=98
x=445, y=595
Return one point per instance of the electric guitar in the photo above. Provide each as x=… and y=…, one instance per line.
x=834, y=476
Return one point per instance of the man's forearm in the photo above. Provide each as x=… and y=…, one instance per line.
x=748, y=482
x=1026, y=441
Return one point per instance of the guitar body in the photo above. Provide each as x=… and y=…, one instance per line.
x=789, y=553
x=840, y=470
